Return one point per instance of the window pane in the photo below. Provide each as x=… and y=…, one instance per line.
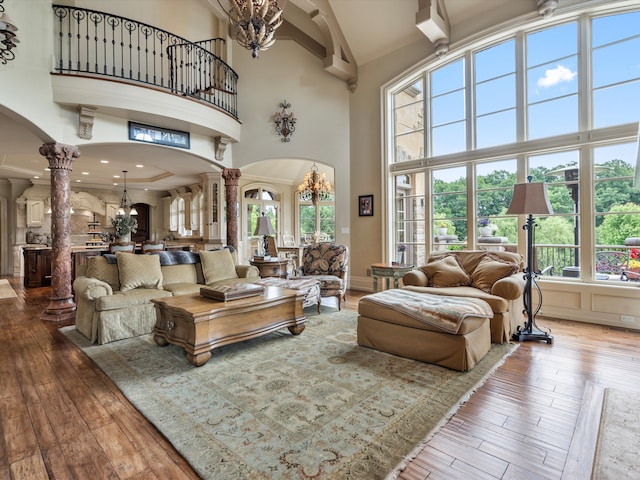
x=409, y=122
x=494, y=187
x=618, y=211
x=448, y=139
x=496, y=129
x=616, y=105
x=448, y=108
x=409, y=146
x=557, y=239
x=616, y=63
x=553, y=118
x=328, y=220
x=447, y=78
x=495, y=61
x=409, y=118
x=615, y=27
x=409, y=201
x=552, y=43
x=617, y=202
x=450, y=202
x=307, y=221
x=552, y=80
x=495, y=95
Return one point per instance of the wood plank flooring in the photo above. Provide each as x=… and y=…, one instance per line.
x=62, y=418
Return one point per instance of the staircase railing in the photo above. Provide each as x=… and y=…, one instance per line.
x=92, y=43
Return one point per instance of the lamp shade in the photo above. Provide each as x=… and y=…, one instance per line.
x=530, y=198
x=264, y=227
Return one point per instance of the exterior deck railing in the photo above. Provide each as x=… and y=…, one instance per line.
x=91, y=43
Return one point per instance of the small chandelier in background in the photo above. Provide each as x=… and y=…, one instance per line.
x=126, y=207
x=285, y=122
x=254, y=23
x=8, y=39
x=314, y=187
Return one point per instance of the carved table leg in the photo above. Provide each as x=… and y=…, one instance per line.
x=160, y=340
x=296, y=329
x=199, y=360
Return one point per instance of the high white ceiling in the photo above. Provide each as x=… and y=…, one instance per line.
x=370, y=29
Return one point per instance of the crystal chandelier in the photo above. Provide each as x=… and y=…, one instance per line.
x=126, y=208
x=254, y=23
x=314, y=187
x=8, y=37
x=285, y=122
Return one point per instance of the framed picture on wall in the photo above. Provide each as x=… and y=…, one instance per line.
x=365, y=205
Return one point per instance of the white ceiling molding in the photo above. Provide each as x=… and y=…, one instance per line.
x=432, y=20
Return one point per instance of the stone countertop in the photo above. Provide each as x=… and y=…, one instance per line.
x=74, y=248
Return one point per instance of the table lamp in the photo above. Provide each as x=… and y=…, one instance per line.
x=528, y=199
x=264, y=228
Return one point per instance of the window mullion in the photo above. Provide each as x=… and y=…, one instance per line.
x=521, y=88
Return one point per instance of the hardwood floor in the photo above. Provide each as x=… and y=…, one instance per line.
x=62, y=418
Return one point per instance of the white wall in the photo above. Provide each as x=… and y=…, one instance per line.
x=320, y=102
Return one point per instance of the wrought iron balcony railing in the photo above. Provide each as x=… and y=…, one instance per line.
x=92, y=43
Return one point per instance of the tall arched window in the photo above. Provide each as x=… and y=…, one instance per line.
x=558, y=100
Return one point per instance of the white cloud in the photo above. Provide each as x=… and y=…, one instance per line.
x=555, y=76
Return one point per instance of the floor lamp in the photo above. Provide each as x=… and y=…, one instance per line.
x=529, y=199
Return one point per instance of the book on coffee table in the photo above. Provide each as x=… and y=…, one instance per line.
x=232, y=291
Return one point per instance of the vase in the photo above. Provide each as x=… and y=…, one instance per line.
x=442, y=231
x=125, y=237
x=400, y=258
x=486, y=231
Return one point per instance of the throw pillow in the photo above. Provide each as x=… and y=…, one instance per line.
x=98, y=267
x=217, y=265
x=446, y=272
x=489, y=271
x=139, y=271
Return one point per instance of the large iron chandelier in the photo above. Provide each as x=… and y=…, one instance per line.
x=254, y=23
x=126, y=207
x=314, y=187
x=8, y=39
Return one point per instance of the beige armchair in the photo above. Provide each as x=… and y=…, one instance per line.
x=328, y=263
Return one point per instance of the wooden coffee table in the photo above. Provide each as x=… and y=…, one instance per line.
x=200, y=324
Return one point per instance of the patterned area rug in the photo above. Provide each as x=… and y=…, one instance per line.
x=6, y=291
x=290, y=407
x=619, y=437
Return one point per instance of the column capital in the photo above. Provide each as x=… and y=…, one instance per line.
x=231, y=176
x=60, y=155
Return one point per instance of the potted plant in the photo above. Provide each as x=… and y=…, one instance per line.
x=442, y=228
x=400, y=253
x=124, y=225
x=485, y=228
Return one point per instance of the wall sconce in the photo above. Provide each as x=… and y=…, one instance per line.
x=285, y=122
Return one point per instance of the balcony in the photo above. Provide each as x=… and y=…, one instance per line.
x=101, y=45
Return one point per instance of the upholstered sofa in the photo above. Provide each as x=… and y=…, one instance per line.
x=494, y=277
x=113, y=294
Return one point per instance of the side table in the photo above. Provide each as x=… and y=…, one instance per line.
x=388, y=271
x=275, y=267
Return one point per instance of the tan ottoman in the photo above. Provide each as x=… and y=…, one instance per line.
x=389, y=330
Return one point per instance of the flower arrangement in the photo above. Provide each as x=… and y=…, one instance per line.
x=442, y=225
x=124, y=224
x=402, y=247
x=634, y=262
x=484, y=222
